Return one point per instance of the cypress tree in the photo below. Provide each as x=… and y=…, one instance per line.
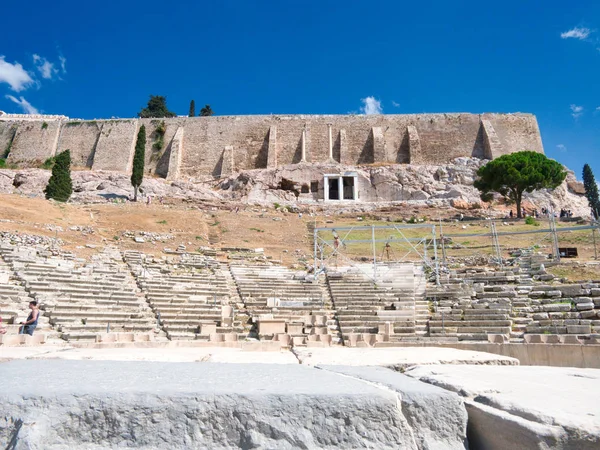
x=137, y=174
x=60, y=186
x=192, y=109
x=591, y=190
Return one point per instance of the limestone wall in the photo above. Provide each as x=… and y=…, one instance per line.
x=7, y=133
x=253, y=140
x=114, y=150
x=81, y=138
x=34, y=142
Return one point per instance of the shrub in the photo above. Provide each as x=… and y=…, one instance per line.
x=531, y=221
x=49, y=163
x=60, y=186
x=44, y=125
x=2, y=163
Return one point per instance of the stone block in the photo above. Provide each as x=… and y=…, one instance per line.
x=325, y=339
x=533, y=338
x=496, y=338
x=208, y=328
x=550, y=339
x=216, y=337
x=566, y=339
x=271, y=326
x=295, y=328
x=579, y=329
x=584, y=306
x=231, y=337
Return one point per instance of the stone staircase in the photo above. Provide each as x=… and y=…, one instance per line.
x=189, y=294
x=281, y=301
x=362, y=305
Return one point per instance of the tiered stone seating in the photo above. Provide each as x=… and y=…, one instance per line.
x=281, y=301
x=14, y=301
x=190, y=294
x=364, y=306
x=83, y=299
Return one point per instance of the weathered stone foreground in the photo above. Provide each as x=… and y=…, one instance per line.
x=85, y=404
x=524, y=407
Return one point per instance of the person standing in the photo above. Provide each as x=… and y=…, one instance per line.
x=32, y=320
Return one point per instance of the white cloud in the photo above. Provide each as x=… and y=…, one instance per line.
x=371, y=106
x=45, y=67
x=561, y=147
x=63, y=63
x=576, y=111
x=14, y=75
x=395, y=104
x=580, y=33
x=27, y=107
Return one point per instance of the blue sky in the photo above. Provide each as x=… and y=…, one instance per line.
x=102, y=59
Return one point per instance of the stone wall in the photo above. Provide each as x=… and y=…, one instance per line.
x=34, y=142
x=81, y=138
x=253, y=140
x=114, y=150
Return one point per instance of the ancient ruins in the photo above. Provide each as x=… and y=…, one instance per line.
x=394, y=253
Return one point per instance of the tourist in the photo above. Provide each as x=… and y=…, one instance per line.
x=32, y=320
x=510, y=214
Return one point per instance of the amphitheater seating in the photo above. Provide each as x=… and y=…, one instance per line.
x=83, y=299
x=190, y=294
x=279, y=299
x=363, y=305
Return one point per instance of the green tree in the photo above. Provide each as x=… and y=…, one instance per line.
x=60, y=186
x=157, y=108
x=206, y=111
x=137, y=174
x=192, y=109
x=515, y=173
x=591, y=190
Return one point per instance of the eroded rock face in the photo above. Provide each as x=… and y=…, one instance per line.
x=419, y=185
x=193, y=405
x=524, y=406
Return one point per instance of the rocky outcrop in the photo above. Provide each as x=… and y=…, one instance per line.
x=449, y=185
x=196, y=405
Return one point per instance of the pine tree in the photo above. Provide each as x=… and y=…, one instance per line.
x=206, y=111
x=137, y=174
x=192, y=109
x=513, y=174
x=60, y=186
x=157, y=108
x=591, y=190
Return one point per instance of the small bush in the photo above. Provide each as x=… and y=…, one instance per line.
x=49, y=163
x=531, y=221
x=162, y=222
x=2, y=163
x=276, y=205
x=258, y=230
x=44, y=125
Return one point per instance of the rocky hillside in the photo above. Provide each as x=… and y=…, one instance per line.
x=414, y=185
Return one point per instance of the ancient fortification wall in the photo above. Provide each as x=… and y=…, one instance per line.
x=215, y=146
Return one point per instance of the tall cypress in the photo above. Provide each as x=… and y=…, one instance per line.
x=591, y=190
x=60, y=186
x=137, y=174
x=192, y=109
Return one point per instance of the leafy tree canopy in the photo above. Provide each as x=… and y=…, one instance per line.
x=511, y=175
x=60, y=186
x=206, y=111
x=157, y=108
x=591, y=190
